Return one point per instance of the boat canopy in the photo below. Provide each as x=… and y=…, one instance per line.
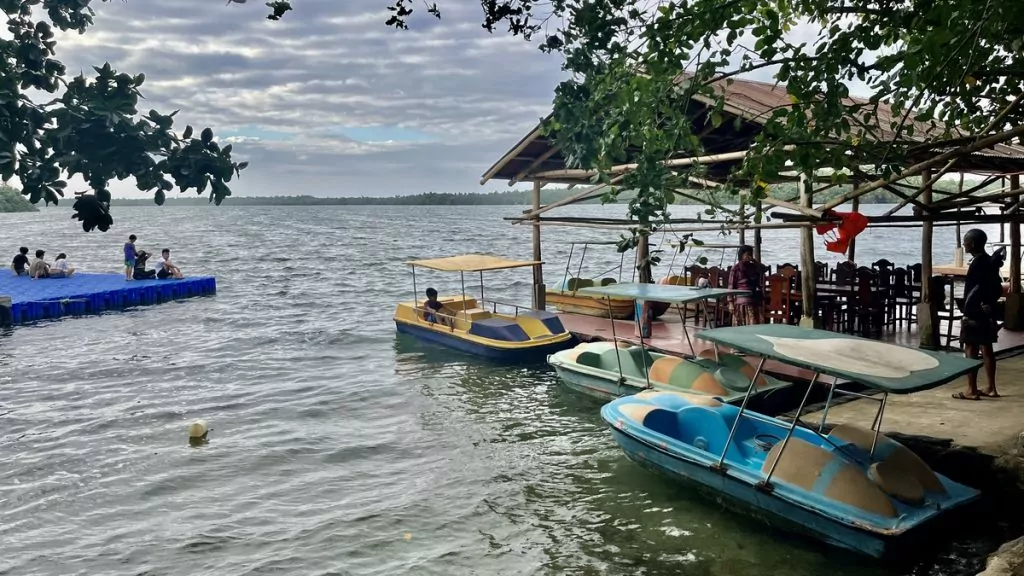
x=471, y=263
x=659, y=292
x=885, y=367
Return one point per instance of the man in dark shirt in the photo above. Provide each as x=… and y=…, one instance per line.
x=20, y=262
x=983, y=287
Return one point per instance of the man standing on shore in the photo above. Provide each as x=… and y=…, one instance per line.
x=978, y=330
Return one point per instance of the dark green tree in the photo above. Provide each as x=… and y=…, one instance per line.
x=92, y=127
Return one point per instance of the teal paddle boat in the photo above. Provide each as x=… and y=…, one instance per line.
x=609, y=370
x=851, y=487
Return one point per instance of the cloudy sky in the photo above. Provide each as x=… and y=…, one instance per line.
x=329, y=101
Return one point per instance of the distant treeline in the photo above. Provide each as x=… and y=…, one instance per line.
x=11, y=200
x=784, y=191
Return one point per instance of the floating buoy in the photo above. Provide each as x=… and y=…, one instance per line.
x=197, y=432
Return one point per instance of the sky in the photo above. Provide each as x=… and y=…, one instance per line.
x=329, y=101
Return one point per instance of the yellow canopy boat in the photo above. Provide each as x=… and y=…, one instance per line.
x=526, y=335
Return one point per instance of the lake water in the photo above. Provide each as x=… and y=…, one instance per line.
x=337, y=447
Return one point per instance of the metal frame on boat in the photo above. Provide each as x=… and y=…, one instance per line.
x=589, y=367
x=852, y=487
x=526, y=335
x=568, y=295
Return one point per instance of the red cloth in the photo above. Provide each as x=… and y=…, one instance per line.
x=838, y=236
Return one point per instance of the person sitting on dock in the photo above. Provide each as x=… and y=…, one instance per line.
x=978, y=330
x=60, y=268
x=140, y=272
x=20, y=263
x=746, y=274
x=436, y=312
x=129, y=258
x=40, y=268
x=165, y=268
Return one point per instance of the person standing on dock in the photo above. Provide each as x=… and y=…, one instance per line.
x=129, y=257
x=983, y=286
x=20, y=263
x=746, y=274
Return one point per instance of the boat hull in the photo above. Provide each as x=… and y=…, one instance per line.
x=532, y=354
x=746, y=499
x=621, y=309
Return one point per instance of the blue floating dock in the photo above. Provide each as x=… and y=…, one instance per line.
x=49, y=298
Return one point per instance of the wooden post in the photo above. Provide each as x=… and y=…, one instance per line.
x=1014, y=300
x=928, y=309
x=851, y=255
x=538, y=269
x=743, y=222
x=758, y=215
x=807, y=275
x=642, y=309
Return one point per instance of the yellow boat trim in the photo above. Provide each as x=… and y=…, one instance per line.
x=407, y=313
x=472, y=263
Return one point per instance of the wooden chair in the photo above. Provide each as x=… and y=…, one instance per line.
x=869, y=305
x=949, y=312
x=821, y=272
x=717, y=279
x=778, y=305
x=902, y=297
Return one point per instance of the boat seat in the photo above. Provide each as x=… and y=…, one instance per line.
x=589, y=358
x=678, y=399
x=702, y=428
x=574, y=284
x=692, y=376
x=824, y=472
x=732, y=379
x=499, y=329
x=632, y=361
x=607, y=281
x=662, y=368
x=895, y=455
x=894, y=482
x=473, y=314
x=737, y=362
x=549, y=319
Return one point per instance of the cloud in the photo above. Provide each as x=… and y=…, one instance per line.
x=330, y=100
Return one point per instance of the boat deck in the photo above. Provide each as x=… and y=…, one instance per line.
x=52, y=298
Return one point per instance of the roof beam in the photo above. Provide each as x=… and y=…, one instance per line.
x=698, y=160
x=537, y=162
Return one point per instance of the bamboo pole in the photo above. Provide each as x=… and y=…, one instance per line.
x=699, y=160
x=807, y=276
x=758, y=216
x=927, y=165
x=538, y=269
x=538, y=210
x=537, y=162
x=511, y=154
x=851, y=255
x=927, y=310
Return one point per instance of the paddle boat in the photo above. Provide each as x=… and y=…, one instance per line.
x=566, y=296
x=851, y=487
x=608, y=370
x=524, y=336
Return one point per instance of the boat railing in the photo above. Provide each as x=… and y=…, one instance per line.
x=495, y=303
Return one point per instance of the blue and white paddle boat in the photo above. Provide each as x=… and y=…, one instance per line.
x=851, y=487
x=475, y=325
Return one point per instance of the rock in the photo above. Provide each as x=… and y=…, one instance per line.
x=1008, y=560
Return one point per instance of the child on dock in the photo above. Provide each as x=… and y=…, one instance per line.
x=746, y=274
x=129, y=257
x=978, y=329
x=20, y=263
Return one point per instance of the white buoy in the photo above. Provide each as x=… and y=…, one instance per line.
x=197, y=432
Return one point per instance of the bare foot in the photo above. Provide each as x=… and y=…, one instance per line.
x=990, y=394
